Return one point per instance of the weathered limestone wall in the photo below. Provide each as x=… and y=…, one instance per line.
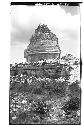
x=37, y=57
x=43, y=45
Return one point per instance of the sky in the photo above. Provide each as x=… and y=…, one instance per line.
x=64, y=21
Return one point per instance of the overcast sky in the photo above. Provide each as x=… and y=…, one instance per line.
x=64, y=21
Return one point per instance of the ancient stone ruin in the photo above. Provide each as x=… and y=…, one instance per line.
x=43, y=46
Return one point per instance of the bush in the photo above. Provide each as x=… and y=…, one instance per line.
x=59, y=89
x=40, y=109
x=24, y=118
x=72, y=105
x=38, y=91
x=14, y=86
x=75, y=90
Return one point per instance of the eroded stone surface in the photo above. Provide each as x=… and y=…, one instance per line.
x=43, y=45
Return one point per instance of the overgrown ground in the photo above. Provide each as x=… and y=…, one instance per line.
x=46, y=99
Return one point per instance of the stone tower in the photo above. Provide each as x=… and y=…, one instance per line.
x=43, y=45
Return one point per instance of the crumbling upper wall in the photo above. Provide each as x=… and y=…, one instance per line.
x=43, y=41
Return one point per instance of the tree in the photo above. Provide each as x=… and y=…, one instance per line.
x=70, y=59
x=73, y=67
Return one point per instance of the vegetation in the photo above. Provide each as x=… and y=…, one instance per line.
x=48, y=96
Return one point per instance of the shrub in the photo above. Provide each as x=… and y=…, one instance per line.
x=38, y=91
x=75, y=90
x=59, y=88
x=14, y=86
x=72, y=105
x=40, y=109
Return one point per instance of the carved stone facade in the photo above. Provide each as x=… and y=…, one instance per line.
x=43, y=45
